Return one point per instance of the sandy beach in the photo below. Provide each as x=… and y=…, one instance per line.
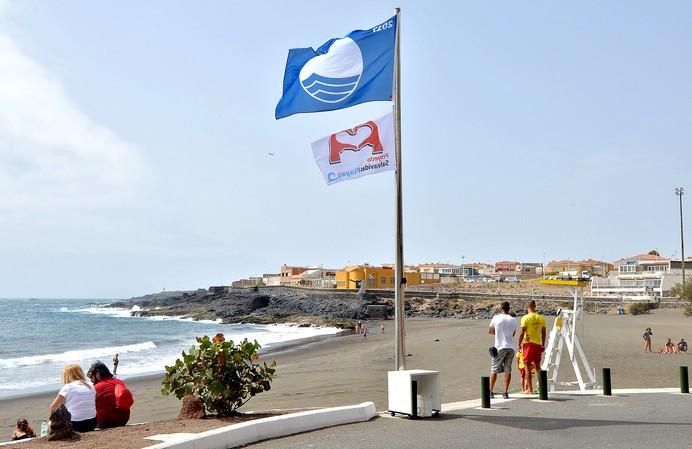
x=348, y=370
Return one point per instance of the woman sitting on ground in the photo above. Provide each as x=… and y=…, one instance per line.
x=23, y=430
x=79, y=397
x=670, y=347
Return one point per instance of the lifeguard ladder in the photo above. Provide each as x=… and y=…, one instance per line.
x=564, y=335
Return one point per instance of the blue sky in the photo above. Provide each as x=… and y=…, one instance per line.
x=134, y=139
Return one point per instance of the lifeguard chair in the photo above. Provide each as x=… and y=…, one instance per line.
x=564, y=335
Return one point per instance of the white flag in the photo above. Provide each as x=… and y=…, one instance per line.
x=363, y=150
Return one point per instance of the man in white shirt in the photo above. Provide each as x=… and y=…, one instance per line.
x=503, y=327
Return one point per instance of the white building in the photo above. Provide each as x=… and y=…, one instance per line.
x=271, y=279
x=318, y=277
x=644, y=277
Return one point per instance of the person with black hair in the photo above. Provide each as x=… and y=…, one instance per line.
x=23, y=430
x=113, y=399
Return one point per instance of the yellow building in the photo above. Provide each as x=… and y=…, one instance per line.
x=375, y=277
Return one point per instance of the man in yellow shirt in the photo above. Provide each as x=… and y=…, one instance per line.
x=531, y=342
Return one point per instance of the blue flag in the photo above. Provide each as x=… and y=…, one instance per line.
x=341, y=73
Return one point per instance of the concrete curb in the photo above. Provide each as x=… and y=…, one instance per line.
x=274, y=427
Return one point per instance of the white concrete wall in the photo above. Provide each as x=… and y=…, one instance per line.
x=274, y=427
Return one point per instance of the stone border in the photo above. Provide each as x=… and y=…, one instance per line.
x=274, y=427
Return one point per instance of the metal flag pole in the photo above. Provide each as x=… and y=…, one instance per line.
x=400, y=281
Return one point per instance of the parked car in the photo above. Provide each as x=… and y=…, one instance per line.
x=512, y=279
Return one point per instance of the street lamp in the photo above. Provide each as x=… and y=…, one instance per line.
x=679, y=191
x=463, y=272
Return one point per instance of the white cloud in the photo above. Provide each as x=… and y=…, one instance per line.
x=49, y=150
x=65, y=180
x=51, y=154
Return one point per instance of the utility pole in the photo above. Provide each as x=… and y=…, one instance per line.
x=679, y=191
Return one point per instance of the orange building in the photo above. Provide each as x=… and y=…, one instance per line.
x=374, y=277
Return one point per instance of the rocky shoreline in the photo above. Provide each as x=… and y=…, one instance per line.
x=266, y=305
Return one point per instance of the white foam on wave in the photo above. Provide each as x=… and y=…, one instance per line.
x=76, y=355
x=119, y=312
x=116, y=312
x=281, y=333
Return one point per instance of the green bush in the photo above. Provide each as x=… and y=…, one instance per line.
x=224, y=375
x=639, y=308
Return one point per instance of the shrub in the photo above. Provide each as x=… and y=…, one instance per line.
x=639, y=308
x=224, y=375
x=684, y=295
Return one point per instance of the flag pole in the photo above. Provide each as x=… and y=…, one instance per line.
x=400, y=281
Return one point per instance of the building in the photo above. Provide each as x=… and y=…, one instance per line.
x=374, y=277
x=446, y=269
x=245, y=283
x=481, y=268
x=427, y=278
x=271, y=279
x=317, y=278
x=290, y=275
x=595, y=267
x=507, y=267
x=531, y=268
x=433, y=267
x=598, y=267
x=644, y=277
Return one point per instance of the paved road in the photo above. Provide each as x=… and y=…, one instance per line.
x=661, y=420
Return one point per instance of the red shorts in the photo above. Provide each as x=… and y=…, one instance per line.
x=532, y=354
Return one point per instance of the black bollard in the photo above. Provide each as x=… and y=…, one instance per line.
x=684, y=380
x=607, y=391
x=543, y=384
x=485, y=392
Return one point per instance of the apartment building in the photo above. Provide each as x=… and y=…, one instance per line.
x=644, y=277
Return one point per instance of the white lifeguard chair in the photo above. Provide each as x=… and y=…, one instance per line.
x=564, y=335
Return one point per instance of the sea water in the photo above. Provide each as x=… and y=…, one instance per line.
x=38, y=337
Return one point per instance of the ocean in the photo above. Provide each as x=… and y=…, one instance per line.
x=38, y=337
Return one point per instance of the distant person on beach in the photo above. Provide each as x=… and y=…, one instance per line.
x=532, y=342
x=113, y=399
x=682, y=345
x=116, y=361
x=23, y=430
x=504, y=328
x=365, y=333
x=670, y=347
x=647, y=339
x=78, y=396
x=382, y=327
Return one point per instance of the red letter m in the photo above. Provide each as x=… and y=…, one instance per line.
x=372, y=140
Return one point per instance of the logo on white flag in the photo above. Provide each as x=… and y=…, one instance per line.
x=362, y=150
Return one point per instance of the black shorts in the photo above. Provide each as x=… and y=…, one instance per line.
x=84, y=426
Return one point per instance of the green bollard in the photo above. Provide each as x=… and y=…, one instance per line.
x=485, y=392
x=684, y=380
x=607, y=391
x=543, y=384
